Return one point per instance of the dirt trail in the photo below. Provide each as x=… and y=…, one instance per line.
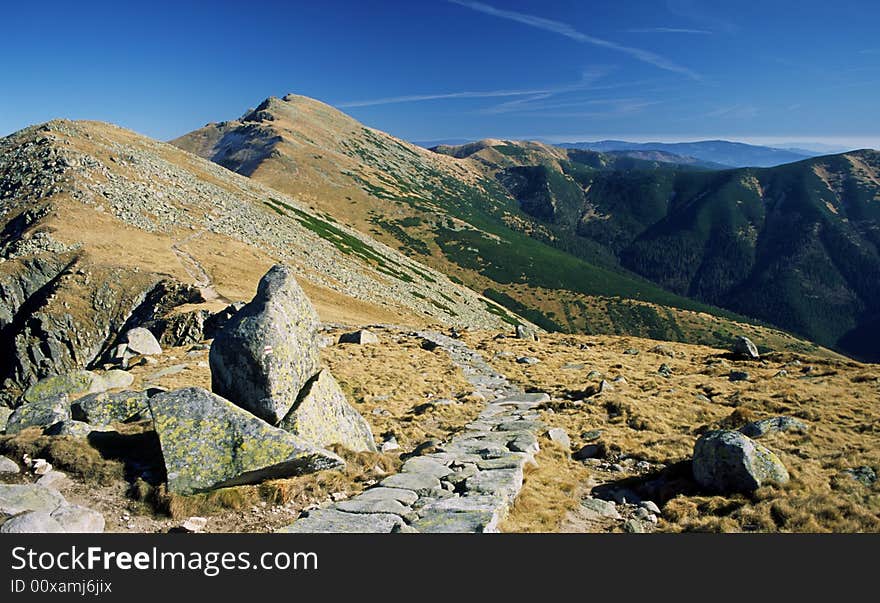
x=196, y=271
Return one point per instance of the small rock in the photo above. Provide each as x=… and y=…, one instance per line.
x=194, y=524
x=665, y=370
x=116, y=379
x=7, y=465
x=523, y=332
x=743, y=347
x=738, y=376
x=141, y=341
x=41, y=467
x=361, y=337
x=589, y=451
x=560, y=436
x=390, y=444
x=529, y=360
x=596, y=508
x=651, y=506
x=634, y=526
x=663, y=350
x=864, y=474
x=757, y=429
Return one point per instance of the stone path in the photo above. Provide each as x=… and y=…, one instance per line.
x=467, y=484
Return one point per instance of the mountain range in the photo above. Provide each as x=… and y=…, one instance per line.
x=589, y=241
x=719, y=152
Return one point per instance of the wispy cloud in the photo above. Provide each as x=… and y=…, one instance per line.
x=588, y=77
x=734, y=112
x=414, y=98
x=564, y=29
x=670, y=30
x=870, y=51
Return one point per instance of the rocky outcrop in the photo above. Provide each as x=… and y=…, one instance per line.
x=267, y=353
x=208, y=442
x=728, y=461
x=68, y=383
x=66, y=323
x=324, y=417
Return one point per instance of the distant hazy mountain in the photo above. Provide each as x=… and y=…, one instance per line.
x=732, y=154
x=428, y=144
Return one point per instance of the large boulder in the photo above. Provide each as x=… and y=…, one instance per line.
x=141, y=341
x=269, y=349
x=324, y=417
x=728, y=461
x=743, y=347
x=44, y=413
x=208, y=442
x=106, y=408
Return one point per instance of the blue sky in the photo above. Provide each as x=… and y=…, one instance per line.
x=768, y=72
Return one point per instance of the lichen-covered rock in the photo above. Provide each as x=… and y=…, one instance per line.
x=743, y=346
x=208, y=442
x=105, y=408
x=269, y=350
x=44, y=413
x=142, y=341
x=324, y=417
x=762, y=427
x=71, y=382
x=76, y=429
x=728, y=461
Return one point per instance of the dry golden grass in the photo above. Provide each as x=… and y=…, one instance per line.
x=657, y=419
x=401, y=380
x=550, y=491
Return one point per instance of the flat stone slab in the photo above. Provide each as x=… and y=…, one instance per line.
x=420, y=483
x=420, y=464
x=375, y=505
x=453, y=522
x=505, y=483
x=331, y=521
x=405, y=497
x=523, y=399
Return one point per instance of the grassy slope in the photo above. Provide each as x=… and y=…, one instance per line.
x=450, y=214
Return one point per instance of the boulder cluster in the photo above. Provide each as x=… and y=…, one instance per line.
x=273, y=412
